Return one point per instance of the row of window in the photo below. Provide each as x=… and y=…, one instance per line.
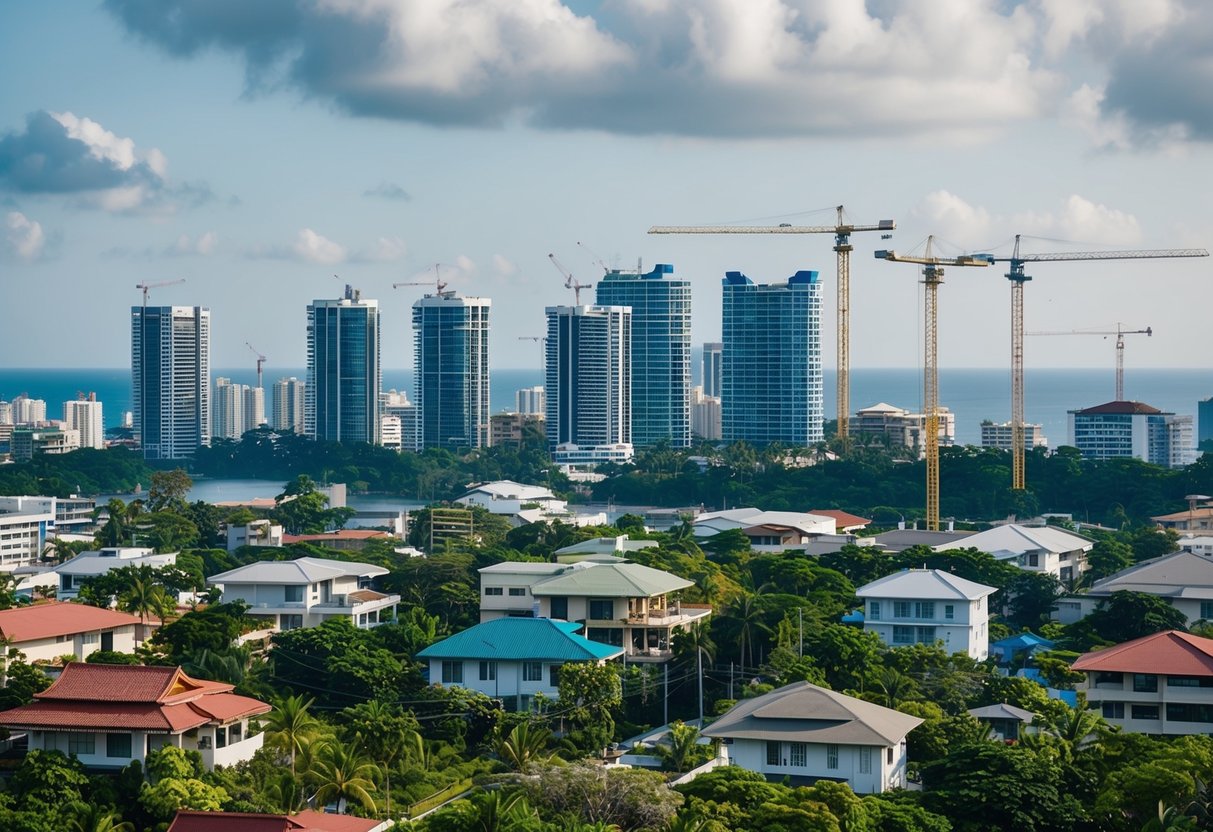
x=1148, y=682
x=515, y=591
x=796, y=755
x=116, y=745
x=452, y=672
x=1176, y=711
x=912, y=609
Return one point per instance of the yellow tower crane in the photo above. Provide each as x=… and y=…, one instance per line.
x=842, y=232
x=932, y=276
x=1017, y=277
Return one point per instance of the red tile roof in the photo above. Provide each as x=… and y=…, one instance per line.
x=127, y=683
x=841, y=518
x=1131, y=408
x=39, y=621
x=305, y=821
x=1166, y=654
x=343, y=534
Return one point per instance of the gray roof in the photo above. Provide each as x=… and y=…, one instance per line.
x=1003, y=711
x=611, y=580
x=88, y=564
x=1179, y=575
x=517, y=567
x=298, y=571
x=898, y=540
x=927, y=584
x=1015, y=540
x=801, y=712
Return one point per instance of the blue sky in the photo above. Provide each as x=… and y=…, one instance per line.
x=257, y=149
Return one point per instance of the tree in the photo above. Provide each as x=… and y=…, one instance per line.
x=89, y=817
x=1124, y=616
x=525, y=746
x=632, y=799
x=684, y=751
x=1032, y=597
x=290, y=726
x=1107, y=557
x=175, y=783
x=344, y=775
x=384, y=731
x=591, y=692
x=168, y=490
x=145, y=598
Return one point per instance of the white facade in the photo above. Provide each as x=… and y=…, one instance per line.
x=254, y=533
x=85, y=417
x=288, y=405
x=25, y=442
x=1045, y=549
x=901, y=428
x=23, y=538
x=252, y=407
x=531, y=400
x=228, y=410
x=999, y=435
x=72, y=514
x=508, y=497
x=400, y=435
x=705, y=414
x=98, y=751
x=171, y=379
x=72, y=574
x=27, y=411
x=573, y=455
x=928, y=606
x=499, y=679
x=867, y=769
x=49, y=632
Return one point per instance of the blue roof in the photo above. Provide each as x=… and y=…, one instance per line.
x=521, y=639
x=1023, y=641
x=853, y=617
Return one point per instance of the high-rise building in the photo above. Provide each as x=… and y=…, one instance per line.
x=252, y=406
x=589, y=380
x=1133, y=429
x=451, y=370
x=27, y=411
x=1204, y=424
x=713, y=367
x=530, y=400
x=171, y=379
x=396, y=405
x=341, y=400
x=771, y=381
x=84, y=416
x=289, y=404
x=660, y=351
x=6, y=413
x=228, y=410
x=705, y=414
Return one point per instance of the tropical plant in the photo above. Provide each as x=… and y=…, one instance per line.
x=89, y=817
x=344, y=775
x=524, y=746
x=290, y=726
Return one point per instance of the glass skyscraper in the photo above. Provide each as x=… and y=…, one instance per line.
x=771, y=380
x=713, y=368
x=589, y=398
x=451, y=370
x=660, y=351
x=341, y=399
x=171, y=379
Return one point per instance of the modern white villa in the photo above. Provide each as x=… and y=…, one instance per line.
x=929, y=606
x=1183, y=579
x=1045, y=549
x=306, y=592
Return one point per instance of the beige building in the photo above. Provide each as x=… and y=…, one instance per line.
x=900, y=428
x=508, y=428
x=46, y=632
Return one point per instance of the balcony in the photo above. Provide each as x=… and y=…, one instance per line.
x=674, y=614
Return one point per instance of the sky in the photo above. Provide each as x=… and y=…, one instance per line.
x=256, y=150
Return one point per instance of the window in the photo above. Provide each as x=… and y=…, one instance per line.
x=799, y=754
x=1113, y=710
x=554, y=675
x=1107, y=677
x=1206, y=609
x=235, y=733
x=832, y=756
x=949, y=611
x=90, y=638
x=902, y=609
x=452, y=673
x=532, y=672
x=602, y=609
x=290, y=622
x=924, y=609
x=1190, y=681
x=560, y=607
x=118, y=745
x=773, y=753
x=865, y=759
x=874, y=610
x=221, y=737
x=889, y=755
x=903, y=635
x=78, y=744
x=1033, y=559
x=517, y=591
x=926, y=635
x=493, y=590
x=1145, y=682
x=488, y=671
x=294, y=594
x=1179, y=712
x=1145, y=712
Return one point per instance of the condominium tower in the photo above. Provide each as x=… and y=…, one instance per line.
x=771, y=372
x=289, y=404
x=660, y=351
x=589, y=382
x=451, y=370
x=171, y=379
x=341, y=400
x=84, y=415
x=713, y=368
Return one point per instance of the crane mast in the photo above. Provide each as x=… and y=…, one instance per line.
x=1120, y=332
x=260, y=362
x=570, y=282
x=842, y=232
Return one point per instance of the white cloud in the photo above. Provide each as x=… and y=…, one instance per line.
x=23, y=236
x=317, y=248
x=1083, y=221
x=504, y=266
x=385, y=250
x=204, y=244
x=964, y=222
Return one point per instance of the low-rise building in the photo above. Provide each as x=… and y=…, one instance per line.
x=1195, y=519
x=50, y=439
x=23, y=537
x=1202, y=545
x=899, y=428
x=802, y=733
x=109, y=716
x=508, y=497
x=1046, y=549
x=341, y=540
x=929, y=606
x=1182, y=579
x=768, y=531
x=513, y=659
x=1007, y=722
x=306, y=592
x=844, y=522
x=1159, y=684
x=254, y=533
x=900, y=539
x=509, y=429
x=71, y=574
x=48, y=632
x=1000, y=435
x=597, y=546
x=1116, y=430
x=71, y=514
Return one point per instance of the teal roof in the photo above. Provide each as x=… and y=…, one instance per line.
x=521, y=639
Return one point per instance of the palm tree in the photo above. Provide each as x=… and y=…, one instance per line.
x=524, y=746
x=84, y=817
x=290, y=726
x=345, y=775
x=144, y=598
x=285, y=793
x=747, y=614
x=387, y=742
x=498, y=811
x=683, y=748
x=892, y=685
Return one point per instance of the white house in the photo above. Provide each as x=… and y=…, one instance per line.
x=305, y=592
x=109, y=716
x=1159, y=684
x=513, y=659
x=73, y=573
x=46, y=632
x=768, y=531
x=929, y=606
x=254, y=533
x=1200, y=545
x=1182, y=579
x=1045, y=549
x=611, y=546
x=805, y=733
x=509, y=497
x=621, y=603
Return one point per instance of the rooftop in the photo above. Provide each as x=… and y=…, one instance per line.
x=510, y=490
x=1012, y=540
x=521, y=639
x=1122, y=408
x=898, y=540
x=39, y=621
x=610, y=580
x=298, y=571
x=842, y=519
x=929, y=584
x=1169, y=653
x=1003, y=711
x=305, y=821
x=1179, y=575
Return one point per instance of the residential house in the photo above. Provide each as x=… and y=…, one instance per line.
x=804, y=733
x=610, y=546
x=342, y=540
x=305, y=821
x=768, y=531
x=1201, y=545
x=513, y=659
x=74, y=572
x=1194, y=519
x=46, y=632
x=899, y=539
x=1045, y=549
x=109, y=716
x=621, y=603
x=929, y=606
x=1159, y=684
x=1182, y=579
x=254, y=533
x=1006, y=722
x=509, y=497
x=306, y=592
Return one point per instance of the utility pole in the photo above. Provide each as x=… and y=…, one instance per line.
x=699, y=662
x=665, y=703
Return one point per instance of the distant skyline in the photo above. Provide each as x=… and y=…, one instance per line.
x=257, y=149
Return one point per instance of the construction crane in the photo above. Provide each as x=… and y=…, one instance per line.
x=438, y=283
x=260, y=361
x=1120, y=332
x=597, y=260
x=542, y=341
x=842, y=232
x=1018, y=278
x=147, y=286
x=932, y=276
x=570, y=282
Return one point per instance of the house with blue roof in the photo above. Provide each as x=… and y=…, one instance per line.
x=513, y=659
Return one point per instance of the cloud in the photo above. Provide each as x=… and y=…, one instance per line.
x=69, y=155
x=204, y=244
x=941, y=209
x=23, y=237
x=389, y=190
x=746, y=68
x=310, y=246
x=504, y=267
x=316, y=248
x=1077, y=219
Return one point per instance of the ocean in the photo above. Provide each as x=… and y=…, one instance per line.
x=973, y=395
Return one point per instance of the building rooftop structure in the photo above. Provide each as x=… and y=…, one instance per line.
x=1121, y=408
x=843, y=521
x=614, y=579
x=521, y=639
x=305, y=821
x=1002, y=711
x=1182, y=574
x=57, y=618
x=298, y=571
x=927, y=584
x=1170, y=653
x=898, y=540
x=1013, y=540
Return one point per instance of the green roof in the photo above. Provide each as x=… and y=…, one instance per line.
x=611, y=580
x=521, y=639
